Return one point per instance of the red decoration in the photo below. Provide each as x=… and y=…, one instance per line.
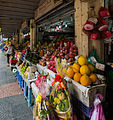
x=104, y=12
x=58, y=79
x=102, y=25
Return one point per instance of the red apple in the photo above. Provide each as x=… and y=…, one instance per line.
x=67, y=57
x=71, y=55
x=48, y=66
x=71, y=43
x=51, y=68
x=54, y=70
x=70, y=60
x=74, y=54
x=61, y=54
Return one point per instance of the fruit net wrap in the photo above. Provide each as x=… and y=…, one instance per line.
x=61, y=67
x=42, y=85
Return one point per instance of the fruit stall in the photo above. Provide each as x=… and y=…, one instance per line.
x=57, y=75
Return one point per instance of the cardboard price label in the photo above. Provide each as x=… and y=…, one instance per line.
x=100, y=66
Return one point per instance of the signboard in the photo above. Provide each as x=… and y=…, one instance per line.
x=46, y=6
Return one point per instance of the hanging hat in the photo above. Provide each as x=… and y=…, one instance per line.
x=104, y=12
x=102, y=25
x=106, y=34
x=90, y=23
x=95, y=35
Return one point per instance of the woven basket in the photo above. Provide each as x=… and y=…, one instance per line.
x=64, y=114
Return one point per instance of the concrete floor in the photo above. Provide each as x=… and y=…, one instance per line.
x=13, y=106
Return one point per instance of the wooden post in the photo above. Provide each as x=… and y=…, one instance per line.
x=20, y=36
x=82, y=13
x=98, y=45
x=32, y=34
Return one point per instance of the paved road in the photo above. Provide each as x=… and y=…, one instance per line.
x=12, y=103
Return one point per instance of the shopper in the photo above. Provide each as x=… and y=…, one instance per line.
x=9, y=52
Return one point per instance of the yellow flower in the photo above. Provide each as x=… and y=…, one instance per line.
x=56, y=100
x=61, y=96
x=57, y=108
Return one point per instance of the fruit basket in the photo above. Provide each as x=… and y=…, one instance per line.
x=87, y=94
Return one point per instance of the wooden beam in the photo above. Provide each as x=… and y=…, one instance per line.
x=15, y=13
x=15, y=2
x=10, y=9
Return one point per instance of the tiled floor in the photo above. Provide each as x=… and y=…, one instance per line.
x=13, y=106
x=10, y=89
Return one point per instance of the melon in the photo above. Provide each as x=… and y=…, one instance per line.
x=82, y=60
x=77, y=77
x=76, y=67
x=84, y=70
x=85, y=81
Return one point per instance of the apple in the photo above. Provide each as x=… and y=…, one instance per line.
x=65, y=52
x=71, y=55
x=53, y=63
x=61, y=54
x=71, y=43
x=70, y=60
x=75, y=47
x=68, y=44
x=67, y=57
x=47, y=59
x=61, y=42
x=51, y=68
x=71, y=49
x=52, y=57
x=48, y=66
x=58, y=43
x=74, y=54
x=54, y=70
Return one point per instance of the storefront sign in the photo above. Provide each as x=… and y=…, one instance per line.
x=46, y=6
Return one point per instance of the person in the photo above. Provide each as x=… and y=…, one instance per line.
x=9, y=52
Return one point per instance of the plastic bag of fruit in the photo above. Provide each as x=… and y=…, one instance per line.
x=43, y=86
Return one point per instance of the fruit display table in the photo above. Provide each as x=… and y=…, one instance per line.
x=26, y=86
x=35, y=89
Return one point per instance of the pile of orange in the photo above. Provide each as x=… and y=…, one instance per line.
x=82, y=72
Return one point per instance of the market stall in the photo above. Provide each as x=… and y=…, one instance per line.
x=58, y=59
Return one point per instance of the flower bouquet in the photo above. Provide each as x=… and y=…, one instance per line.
x=40, y=110
x=60, y=99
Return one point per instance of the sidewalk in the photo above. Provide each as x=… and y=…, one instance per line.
x=13, y=106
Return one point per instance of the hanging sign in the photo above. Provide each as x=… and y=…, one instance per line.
x=47, y=6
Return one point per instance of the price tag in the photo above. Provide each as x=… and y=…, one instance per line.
x=100, y=66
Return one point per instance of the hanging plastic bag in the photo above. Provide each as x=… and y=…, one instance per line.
x=97, y=110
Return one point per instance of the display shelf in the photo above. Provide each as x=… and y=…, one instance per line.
x=26, y=86
x=35, y=90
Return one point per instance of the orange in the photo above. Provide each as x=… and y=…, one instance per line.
x=85, y=81
x=93, y=77
x=70, y=72
x=76, y=67
x=84, y=70
x=82, y=60
x=91, y=67
x=77, y=77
